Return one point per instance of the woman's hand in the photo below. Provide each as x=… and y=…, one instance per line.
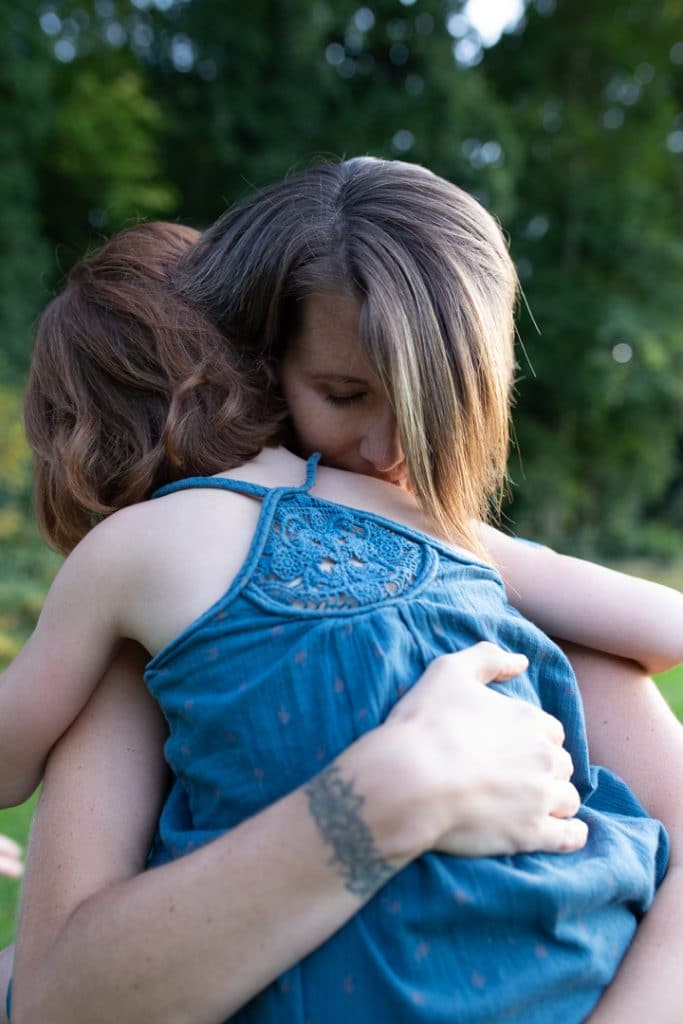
x=488, y=773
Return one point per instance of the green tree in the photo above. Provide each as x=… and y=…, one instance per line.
x=101, y=163
x=26, y=77
x=595, y=93
x=250, y=93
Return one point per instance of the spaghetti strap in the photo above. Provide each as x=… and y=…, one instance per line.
x=223, y=483
x=311, y=471
x=219, y=483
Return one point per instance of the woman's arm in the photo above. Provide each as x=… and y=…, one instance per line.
x=457, y=767
x=104, y=790
x=589, y=605
x=632, y=730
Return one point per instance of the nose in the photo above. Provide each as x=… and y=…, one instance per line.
x=381, y=445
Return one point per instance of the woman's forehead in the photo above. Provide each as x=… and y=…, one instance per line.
x=323, y=311
x=328, y=340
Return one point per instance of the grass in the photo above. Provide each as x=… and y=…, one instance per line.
x=671, y=685
x=14, y=822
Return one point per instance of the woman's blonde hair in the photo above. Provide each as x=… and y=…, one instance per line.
x=436, y=288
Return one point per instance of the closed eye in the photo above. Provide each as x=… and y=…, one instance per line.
x=345, y=399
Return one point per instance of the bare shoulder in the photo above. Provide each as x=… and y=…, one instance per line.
x=114, y=545
x=179, y=554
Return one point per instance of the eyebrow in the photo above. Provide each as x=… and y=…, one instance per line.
x=341, y=378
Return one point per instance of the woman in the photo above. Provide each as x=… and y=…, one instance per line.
x=199, y=979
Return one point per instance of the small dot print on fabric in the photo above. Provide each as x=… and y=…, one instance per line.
x=540, y=951
x=348, y=985
x=422, y=951
x=478, y=980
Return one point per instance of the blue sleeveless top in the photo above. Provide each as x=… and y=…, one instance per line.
x=335, y=613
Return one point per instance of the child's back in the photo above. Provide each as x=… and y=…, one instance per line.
x=281, y=663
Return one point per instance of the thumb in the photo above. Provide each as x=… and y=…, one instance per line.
x=489, y=663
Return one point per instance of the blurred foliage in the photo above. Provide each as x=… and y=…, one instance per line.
x=570, y=129
x=27, y=565
x=26, y=80
x=103, y=150
x=596, y=92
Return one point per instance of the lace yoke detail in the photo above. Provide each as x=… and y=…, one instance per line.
x=322, y=557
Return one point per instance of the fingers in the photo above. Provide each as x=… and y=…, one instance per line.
x=486, y=662
x=563, y=766
x=562, y=835
x=10, y=853
x=566, y=800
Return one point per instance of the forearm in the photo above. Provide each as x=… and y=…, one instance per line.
x=22, y=753
x=633, y=732
x=583, y=603
x=193, y=940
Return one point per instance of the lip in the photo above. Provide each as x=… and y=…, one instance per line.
x=396, y=481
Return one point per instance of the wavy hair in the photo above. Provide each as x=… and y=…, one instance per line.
x=132, y=386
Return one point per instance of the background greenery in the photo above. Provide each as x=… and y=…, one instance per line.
x=570, y=129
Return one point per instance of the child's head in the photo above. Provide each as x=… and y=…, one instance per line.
x=435, y=290
x=131, y=386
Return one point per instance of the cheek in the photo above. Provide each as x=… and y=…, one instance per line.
x=317, y=425
x=323, y=431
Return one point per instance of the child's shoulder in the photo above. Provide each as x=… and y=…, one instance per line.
x=115, y=544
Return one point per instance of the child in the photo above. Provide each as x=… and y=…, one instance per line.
x=360, y=582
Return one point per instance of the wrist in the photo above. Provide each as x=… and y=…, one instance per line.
x=396, y=807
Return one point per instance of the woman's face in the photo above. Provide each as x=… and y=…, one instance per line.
x=337, y=405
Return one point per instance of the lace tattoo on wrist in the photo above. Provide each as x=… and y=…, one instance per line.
x=335, y=808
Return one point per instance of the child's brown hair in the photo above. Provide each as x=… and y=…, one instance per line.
x=131, y=387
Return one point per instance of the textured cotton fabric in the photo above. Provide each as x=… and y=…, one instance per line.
x=335, y=613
